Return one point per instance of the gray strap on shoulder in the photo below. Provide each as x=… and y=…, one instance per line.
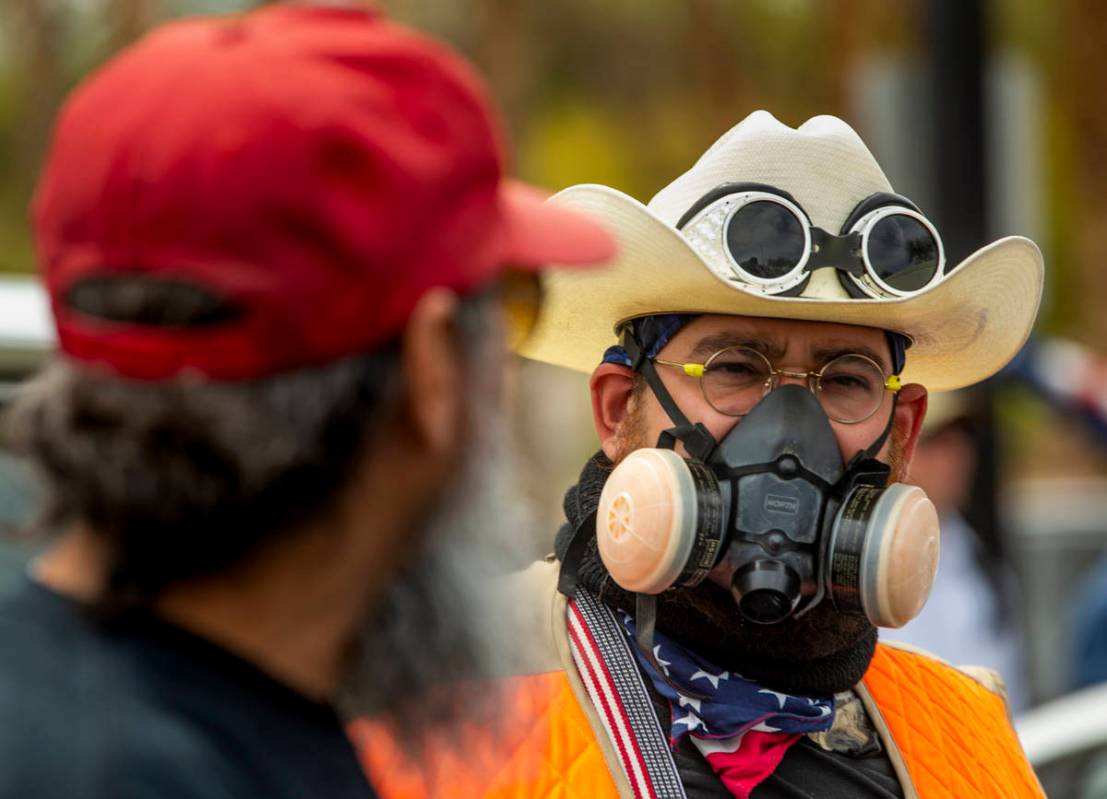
x=614, y=650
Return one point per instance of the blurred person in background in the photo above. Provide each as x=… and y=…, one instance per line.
x=970, y=617
x=708, y=624
x=1089, y=613
x=275, y=245
x=1072, y=378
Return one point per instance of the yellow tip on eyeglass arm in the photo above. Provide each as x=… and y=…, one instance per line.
x=893, y=383
x=693, y=369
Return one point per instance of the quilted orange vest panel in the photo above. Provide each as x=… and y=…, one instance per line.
x=543, y=748
x=953, y=732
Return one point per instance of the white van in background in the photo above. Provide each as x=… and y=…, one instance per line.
x=26, y=331
x=26, y=339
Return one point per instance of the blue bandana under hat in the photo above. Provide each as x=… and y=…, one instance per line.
x=654, y=332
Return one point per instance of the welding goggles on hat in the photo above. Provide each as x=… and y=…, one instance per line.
x=886, y=248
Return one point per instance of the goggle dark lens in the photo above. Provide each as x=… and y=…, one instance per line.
x=903, y=252
x=766, y=239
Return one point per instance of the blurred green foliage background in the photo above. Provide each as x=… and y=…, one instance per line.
x=630, y=92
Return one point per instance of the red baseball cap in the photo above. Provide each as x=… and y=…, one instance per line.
x=319, y=168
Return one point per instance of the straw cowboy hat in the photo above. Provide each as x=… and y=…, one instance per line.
x=964, y=325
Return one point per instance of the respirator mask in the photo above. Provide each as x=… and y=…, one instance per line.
x=771, y=513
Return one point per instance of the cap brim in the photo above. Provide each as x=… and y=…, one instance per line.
x=540, y=233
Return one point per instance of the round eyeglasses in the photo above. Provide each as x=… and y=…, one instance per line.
x=849, y=387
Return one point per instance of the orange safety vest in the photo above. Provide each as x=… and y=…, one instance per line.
x=947, y=735
x=953, y=735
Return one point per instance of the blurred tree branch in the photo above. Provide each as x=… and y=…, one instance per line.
x=127, y=20
x=39, y=80
x=1081, y=62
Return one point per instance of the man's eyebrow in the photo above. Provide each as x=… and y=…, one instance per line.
x=706, y=347
x=827, y=352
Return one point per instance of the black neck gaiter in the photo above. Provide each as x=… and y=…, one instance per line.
x=735, y=645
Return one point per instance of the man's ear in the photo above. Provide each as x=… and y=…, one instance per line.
x=910, y=412
x=612, y=386
x=432, y=372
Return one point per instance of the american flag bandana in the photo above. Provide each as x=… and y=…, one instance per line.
x=742, y=729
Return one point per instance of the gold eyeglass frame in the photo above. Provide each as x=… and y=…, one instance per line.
x=698, y=370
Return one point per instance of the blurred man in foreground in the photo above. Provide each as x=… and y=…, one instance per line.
x=709, y=622
x=276, y=247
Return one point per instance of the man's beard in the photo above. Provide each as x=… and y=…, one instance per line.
x=435, y=634
x=706, y=617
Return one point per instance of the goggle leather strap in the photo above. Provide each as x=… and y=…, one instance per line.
x=841, y=252
x=695, y=437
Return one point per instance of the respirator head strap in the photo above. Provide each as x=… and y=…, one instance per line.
x=696, y=438
x=645, y=622
x=870, y=453
x=567, y=579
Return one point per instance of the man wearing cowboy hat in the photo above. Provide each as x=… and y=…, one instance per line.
x=708, y=626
